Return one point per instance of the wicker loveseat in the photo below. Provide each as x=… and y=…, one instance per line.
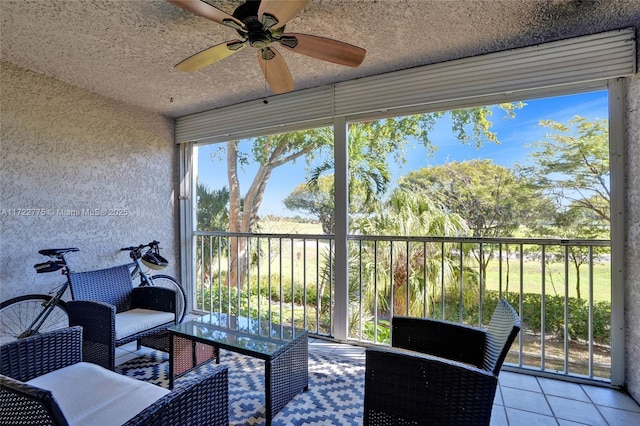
x=436, y=372
x=45, y=382
x=112, y=312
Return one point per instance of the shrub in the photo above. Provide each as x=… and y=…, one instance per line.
x=531, y=315
x=578, y=315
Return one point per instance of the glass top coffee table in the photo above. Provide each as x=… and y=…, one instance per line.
x=284, y=350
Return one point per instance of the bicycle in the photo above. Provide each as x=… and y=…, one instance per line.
x=151, y=259
x=27, y=315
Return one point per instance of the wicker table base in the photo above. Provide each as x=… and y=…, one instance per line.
x=186, y=354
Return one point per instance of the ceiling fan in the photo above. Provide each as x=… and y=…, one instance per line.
x=260, y=24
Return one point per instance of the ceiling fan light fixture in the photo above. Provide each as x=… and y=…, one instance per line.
x=267, y=54
x=289, y=41
x=268, y=20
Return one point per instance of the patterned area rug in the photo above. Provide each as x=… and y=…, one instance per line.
x=335, y=396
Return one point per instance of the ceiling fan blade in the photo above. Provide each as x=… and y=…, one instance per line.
x=209, y=56
x=324, y=48
x=279, y=12
x=275, y=70
x=206, y=10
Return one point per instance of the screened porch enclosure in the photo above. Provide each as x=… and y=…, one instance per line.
x=343, y=283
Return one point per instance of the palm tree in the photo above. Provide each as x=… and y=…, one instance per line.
x=409, y=276
x=212, y=215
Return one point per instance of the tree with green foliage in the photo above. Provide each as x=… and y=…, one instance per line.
x=212, y=214
x=574, y=222
x=491, y=198
x=410, y=272
x=578, y=222
x=571, y=166
x=369, y=145
x=269, y=152
x=212, y=208
x=316, y=200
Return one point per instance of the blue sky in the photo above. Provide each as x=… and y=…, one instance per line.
x=513, y=134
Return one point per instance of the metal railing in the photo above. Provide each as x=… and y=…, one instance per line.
x=561, y=288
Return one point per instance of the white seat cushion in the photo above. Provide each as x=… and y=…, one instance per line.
x=134, y=321
x=88, y=394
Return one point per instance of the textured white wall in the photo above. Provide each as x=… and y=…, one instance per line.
x=632, y=258
x=65, y=149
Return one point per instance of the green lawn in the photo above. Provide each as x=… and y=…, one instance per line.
x=554, y=279
x=289, y=227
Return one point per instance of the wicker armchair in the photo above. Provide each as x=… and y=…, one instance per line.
x=44, y=382
x=113, y=312
x=436, y=372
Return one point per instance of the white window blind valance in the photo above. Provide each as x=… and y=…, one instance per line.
x=508, y=75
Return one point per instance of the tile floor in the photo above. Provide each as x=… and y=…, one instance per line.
x=521, y=399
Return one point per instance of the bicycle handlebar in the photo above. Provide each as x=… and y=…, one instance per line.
x=132, y=248
x=152, y=244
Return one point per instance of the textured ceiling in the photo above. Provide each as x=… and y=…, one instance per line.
x=126, y=49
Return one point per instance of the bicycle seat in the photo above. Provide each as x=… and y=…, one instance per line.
x=57, y=251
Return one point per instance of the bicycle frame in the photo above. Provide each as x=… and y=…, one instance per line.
x=138, y=270
x=48, y=306
x=46, y=311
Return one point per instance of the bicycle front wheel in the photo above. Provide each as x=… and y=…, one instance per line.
x=181, y=297
x=17, y=315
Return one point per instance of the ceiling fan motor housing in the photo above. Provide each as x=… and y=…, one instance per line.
x=259, y=39
x=256, y=32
